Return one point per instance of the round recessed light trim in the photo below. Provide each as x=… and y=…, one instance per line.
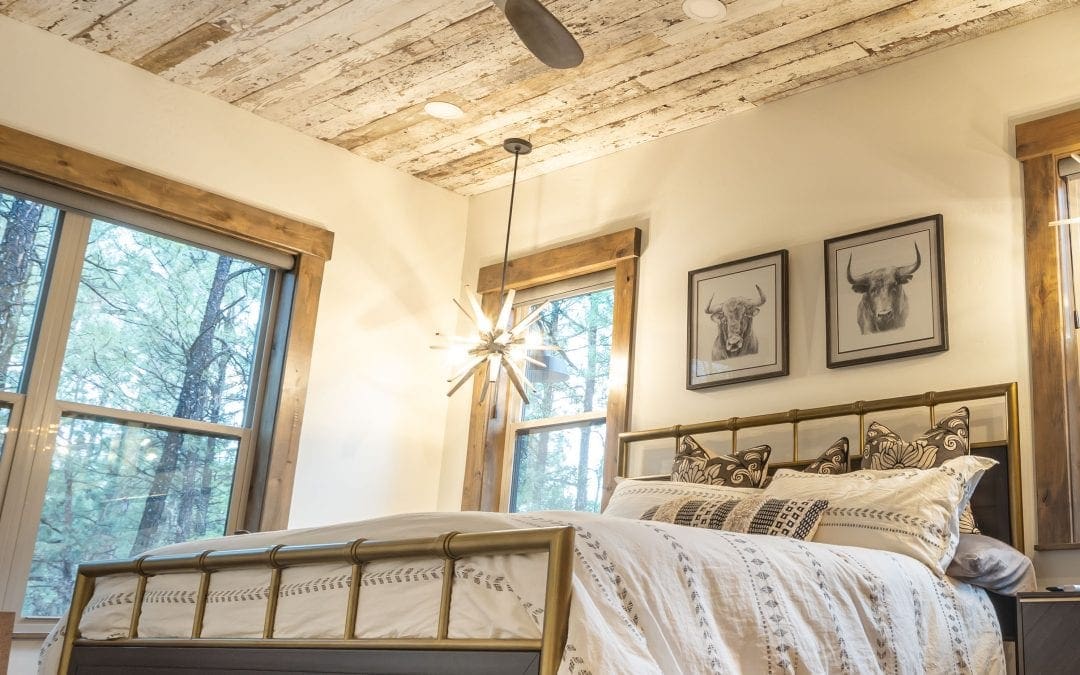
x=443, y=110
x=704, y=10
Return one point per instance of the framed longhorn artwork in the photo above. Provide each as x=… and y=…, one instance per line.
x=737, y=321
x=885, y=293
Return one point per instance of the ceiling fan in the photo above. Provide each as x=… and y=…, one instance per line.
x=542, y=33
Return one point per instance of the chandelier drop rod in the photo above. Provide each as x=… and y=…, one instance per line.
x=509, y=221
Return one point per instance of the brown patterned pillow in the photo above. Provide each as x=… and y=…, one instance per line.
x=744, y=468
x=833, y=461
x=948, y=439
x=796, y=518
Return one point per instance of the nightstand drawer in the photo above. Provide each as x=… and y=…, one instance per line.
x=1048, y=624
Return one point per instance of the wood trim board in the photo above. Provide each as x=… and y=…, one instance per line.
x=1055, y=382
x=75, y=169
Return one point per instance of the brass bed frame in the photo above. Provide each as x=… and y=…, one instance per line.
x=999, y=515
x=524, y=655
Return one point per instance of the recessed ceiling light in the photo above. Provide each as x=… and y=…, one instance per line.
x=704, y=10
x=444, y=110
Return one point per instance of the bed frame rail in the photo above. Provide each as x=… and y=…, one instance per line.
x=557, y=542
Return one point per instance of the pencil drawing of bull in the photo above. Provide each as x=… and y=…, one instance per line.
x=884, y=303
x=735, y=323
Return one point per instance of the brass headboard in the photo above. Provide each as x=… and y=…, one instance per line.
x=1005, y=450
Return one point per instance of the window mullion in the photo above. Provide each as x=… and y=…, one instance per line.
x=556, y=422
x=32, y=449
x=149, y=419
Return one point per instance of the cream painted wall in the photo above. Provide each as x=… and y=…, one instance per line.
x=397, y=257
x=932, y=135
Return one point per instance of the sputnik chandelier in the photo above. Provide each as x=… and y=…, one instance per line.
x=497, y=344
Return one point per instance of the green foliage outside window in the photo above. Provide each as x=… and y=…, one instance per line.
x=561, y=468
x=159, y=327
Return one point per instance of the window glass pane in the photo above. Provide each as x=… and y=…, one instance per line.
x=116, y=490
x=581, y=326
x=559, y=469
x=26, y=236
x=163, y=327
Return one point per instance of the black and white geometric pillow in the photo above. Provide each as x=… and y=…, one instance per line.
x=948, y=439
x=744, y=468
x=796, y=518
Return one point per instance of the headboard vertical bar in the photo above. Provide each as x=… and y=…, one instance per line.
x=795, y=436
x=932, y=405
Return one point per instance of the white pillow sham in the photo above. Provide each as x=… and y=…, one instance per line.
x=632, y=498
x=911, y=511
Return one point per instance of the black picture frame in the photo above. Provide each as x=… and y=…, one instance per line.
x=885, y=294
x=722, y=295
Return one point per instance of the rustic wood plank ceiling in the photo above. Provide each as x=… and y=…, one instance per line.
x=357, y=73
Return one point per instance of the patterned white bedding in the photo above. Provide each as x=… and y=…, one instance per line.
x=647, y=598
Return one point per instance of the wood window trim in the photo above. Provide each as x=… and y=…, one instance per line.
x=485, y=454
x=1052, y=345
x=311, y=246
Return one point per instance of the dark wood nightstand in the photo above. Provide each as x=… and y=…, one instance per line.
x=1047, y=627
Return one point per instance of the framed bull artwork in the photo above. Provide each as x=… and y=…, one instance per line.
x=737, y=320
x=885, y=293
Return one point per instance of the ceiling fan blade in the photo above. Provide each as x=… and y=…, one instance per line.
x=542, y=33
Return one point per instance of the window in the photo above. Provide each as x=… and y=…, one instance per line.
x=1051, y=183
x=557, y=440
x=559, y=451
x=151, y=333
x=135, y=358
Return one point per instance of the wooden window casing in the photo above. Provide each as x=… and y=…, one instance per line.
x=1053, y=346
x=485, y=455
x=270, y=494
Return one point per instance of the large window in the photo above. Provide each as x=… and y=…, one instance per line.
x=559, y=451
x=134, y=360
x=557, y=440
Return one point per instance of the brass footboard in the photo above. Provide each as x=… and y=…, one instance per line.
x=557, y=542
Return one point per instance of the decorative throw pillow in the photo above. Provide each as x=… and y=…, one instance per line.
x=632, y=497
x=909, y=511
x=833, y=461
x=797, y=518
x=743, y=468
x=946, y=440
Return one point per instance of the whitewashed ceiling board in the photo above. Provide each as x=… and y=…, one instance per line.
x=357, y=73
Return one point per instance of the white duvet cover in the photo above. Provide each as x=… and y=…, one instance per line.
x=647, y=598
